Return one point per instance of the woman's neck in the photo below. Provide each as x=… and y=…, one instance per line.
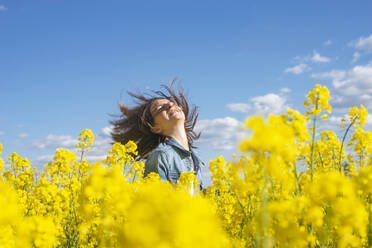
x=179, y=134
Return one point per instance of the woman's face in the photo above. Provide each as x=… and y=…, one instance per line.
x=166, y=115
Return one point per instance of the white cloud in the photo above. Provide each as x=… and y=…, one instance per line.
x=221, y=133
x=54, y=141
x=95, y=158
x=364, y=43
x=261, y=105
x=369, y=121
x=102, y=142
x=23, y=135
x=101, y=146
x=285, y=90
x=331, y=124
x=239, y=107
x=298, y=69
x=358, y=80
x=334, y=74
x=43, y=159
x=328, y=42
x=352, y=87
x=356, y=56
x=1, y=133
x=3, y=8
x=316, y=58
x=107, y=130
x=334, y=122
x=269, y=103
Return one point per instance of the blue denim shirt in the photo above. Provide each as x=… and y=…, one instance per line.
x=170, y=159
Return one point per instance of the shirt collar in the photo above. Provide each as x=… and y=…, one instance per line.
x=174, y=143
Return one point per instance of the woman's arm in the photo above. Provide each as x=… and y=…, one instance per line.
x=157, y=162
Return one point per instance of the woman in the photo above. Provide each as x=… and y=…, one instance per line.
x=162, y=126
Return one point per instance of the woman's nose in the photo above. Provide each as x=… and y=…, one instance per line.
x=170, y=104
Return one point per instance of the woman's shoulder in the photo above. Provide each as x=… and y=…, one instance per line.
x=163, y=149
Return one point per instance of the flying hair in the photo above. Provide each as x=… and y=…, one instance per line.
x=135, y=123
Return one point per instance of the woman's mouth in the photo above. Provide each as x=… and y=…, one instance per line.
x=173, y=110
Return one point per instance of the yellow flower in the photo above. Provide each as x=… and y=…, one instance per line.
x=37, y=230
x=1, y=160
x=268, y=197
x=360, y=114
x=363, y=114
x=86, y=139
x=188, y=181
x=170, y=218
x=317, y=99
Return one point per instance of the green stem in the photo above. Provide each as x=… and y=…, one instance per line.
x=320, y=158
x=82, y=154
x=333, y=158
x=369, y=237
x=327, y=227
x=312, y=145
x=361, y=159
x=244, y=218
x=265, y=218
x=296, y=177
x=342, y=144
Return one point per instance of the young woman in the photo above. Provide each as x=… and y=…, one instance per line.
x=162, y=125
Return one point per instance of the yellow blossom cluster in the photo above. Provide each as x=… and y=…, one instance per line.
x=290, y=187
x=317, y=100
x=86, y=139
x=1, y=160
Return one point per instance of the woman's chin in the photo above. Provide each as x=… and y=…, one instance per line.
x=176, y=115
x=177, y=118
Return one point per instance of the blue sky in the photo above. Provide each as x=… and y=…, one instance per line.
x=64, y=65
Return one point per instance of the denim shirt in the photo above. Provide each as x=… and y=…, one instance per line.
x=170, y=159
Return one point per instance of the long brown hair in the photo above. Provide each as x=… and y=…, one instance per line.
x=135, y=123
